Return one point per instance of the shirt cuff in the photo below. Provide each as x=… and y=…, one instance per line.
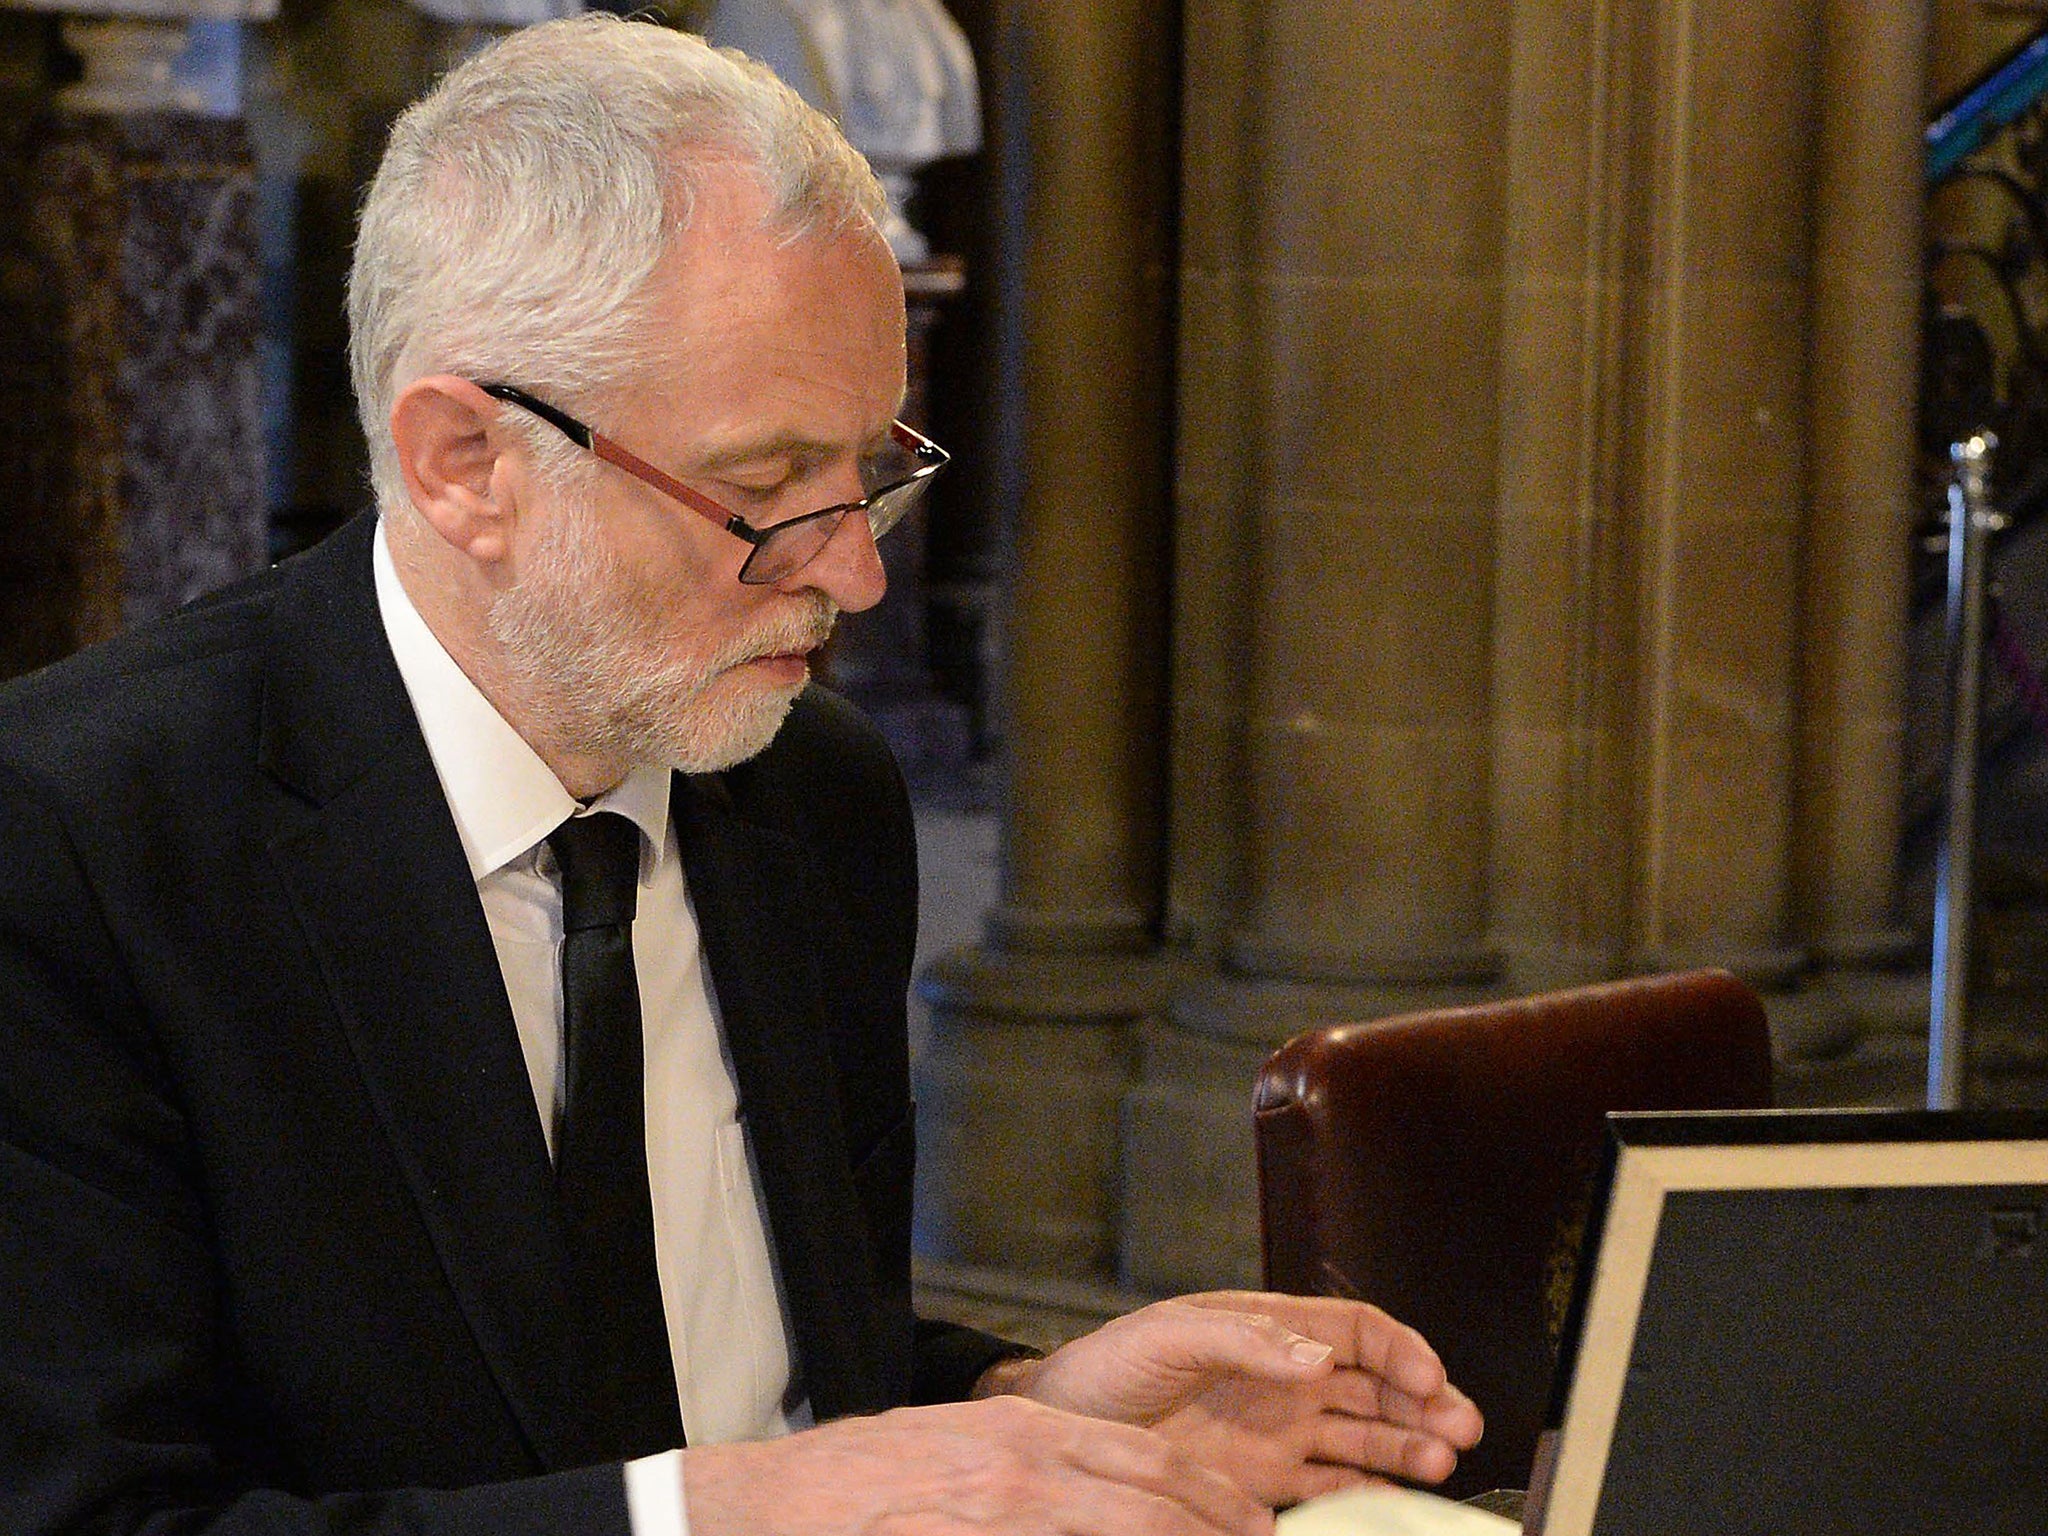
x=654, y=1495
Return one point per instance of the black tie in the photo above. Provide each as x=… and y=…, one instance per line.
x=601, y=1146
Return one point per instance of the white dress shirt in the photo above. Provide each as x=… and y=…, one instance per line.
x=726, y=1329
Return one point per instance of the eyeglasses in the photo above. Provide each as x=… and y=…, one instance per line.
x=898, y=473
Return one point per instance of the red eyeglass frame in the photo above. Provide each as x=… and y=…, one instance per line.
x=927, y=457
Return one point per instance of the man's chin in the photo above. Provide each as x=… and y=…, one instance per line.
x=734, y=729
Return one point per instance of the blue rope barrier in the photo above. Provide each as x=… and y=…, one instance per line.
x=2013, y=88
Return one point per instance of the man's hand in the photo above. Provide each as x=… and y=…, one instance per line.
x=1290, y=1396
x=1001, y=1465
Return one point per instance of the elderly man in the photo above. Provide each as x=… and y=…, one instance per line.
x=452, y=1055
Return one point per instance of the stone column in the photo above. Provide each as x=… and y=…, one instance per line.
x=1700, y=620
x=140, y=213
x=1720, y=458
x=1029, y=1056
x=1564, y=658
x=1654, y=475
x=1867, y=279
x=1374, y=264
x=1335, y=507
x=1653, y=465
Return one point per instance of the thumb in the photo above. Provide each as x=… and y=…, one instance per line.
x=1261, y=1346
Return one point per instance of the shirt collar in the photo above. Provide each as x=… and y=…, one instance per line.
x=504, y=799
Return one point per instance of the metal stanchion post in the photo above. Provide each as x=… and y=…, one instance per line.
x=1971, y=521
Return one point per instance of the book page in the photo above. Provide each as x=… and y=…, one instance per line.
x=1390, y=1511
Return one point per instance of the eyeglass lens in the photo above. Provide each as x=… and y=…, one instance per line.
x=790, y=546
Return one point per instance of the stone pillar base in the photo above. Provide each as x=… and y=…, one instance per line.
x=1881, y=949
x=1018, y=1100
x=1852, y=1038
x=1773, y=969
x=1529, y=967
x=1859, y=988
x=1265, y=1013
x=1189, y=1180
x=1191, y=1193
x=1346, y=965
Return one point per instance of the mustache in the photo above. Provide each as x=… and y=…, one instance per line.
x=804, y=626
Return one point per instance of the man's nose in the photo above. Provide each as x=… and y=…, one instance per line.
x=848, y=569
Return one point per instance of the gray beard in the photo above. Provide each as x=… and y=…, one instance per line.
x=594, y=675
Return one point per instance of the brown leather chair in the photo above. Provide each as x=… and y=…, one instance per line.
x=1439, y=1164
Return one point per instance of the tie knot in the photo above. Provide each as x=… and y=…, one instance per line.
x=600, y=862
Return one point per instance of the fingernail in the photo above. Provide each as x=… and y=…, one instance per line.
x=1309, y=1351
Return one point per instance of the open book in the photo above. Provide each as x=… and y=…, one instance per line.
x=1390, y=1511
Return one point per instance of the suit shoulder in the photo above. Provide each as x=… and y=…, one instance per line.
x=189, y=681
x=154, y=681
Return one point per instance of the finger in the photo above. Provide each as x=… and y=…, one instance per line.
x=1455, y=1417
x=1365, y=1396
x=1246, y=1340
x=1360, y=1334
x=1448, y=1413
x=1397, y=1354
x=1373, y=1445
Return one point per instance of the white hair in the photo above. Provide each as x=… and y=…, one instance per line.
x=523, y=205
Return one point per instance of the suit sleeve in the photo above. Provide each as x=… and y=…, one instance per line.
x=114, y=1358
x=950, y=1359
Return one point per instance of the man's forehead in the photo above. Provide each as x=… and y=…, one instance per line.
x=819, y=292
x=781, y=314
x=793, y=360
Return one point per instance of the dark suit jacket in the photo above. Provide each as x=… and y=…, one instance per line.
x=277, y=1243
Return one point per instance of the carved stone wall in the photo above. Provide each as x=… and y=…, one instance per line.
x=42, y=578
x=133, y=457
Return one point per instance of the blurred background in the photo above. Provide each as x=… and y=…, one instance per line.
x=1449, y=500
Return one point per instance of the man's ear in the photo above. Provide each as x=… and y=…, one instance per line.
x=455, y=462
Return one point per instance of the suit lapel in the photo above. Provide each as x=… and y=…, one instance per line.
x=755, y=903
x=366, y=846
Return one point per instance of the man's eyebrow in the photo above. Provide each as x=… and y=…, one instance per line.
x=802, y=452
x=782, y=445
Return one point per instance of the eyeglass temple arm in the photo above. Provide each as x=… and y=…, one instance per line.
x=916, y=442
x=584, y=436
x=934, y=457
x=702, y=505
